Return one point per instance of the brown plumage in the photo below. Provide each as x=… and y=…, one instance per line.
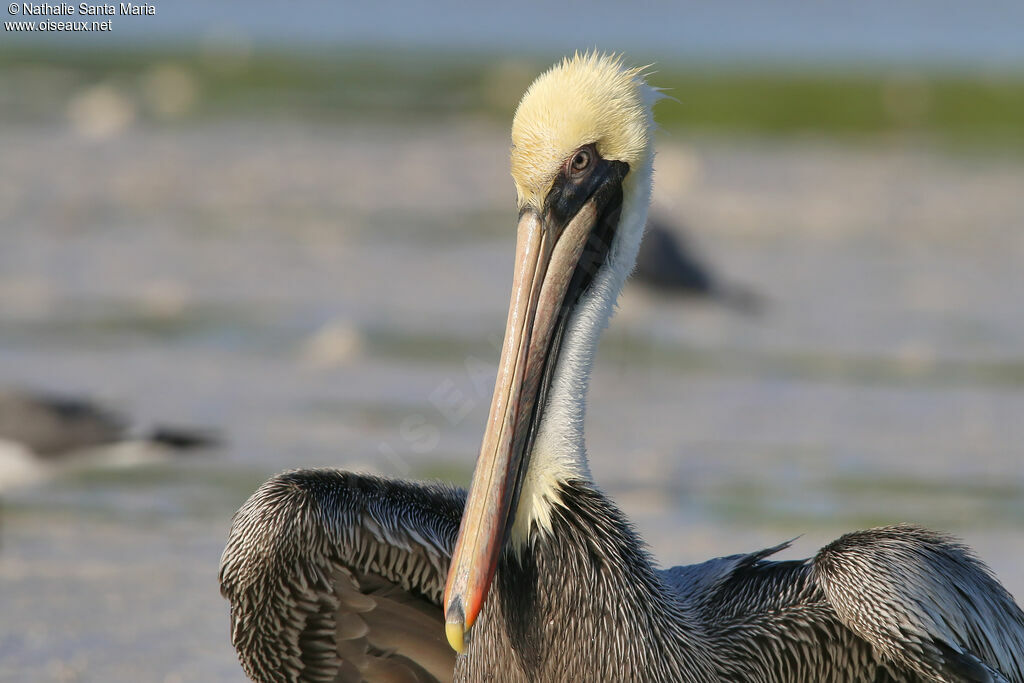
x=535, y=575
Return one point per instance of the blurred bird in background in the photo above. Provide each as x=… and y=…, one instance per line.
x=42, y=433
x=669, y=263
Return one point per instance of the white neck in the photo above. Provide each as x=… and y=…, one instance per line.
x=559, y=452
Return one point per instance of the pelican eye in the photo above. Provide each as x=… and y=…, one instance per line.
x=581, y=161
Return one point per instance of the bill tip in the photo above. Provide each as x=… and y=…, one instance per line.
x=456, y=633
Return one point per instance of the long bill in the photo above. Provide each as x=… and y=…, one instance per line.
x=548, y=267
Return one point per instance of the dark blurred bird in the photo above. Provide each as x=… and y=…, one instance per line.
x=668, y=262
x=41, y=430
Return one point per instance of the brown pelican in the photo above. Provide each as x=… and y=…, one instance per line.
x=536, y=575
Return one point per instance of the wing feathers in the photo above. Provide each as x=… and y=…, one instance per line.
x=334, y=577
x=925, y=602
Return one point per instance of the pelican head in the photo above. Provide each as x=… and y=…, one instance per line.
x=581, y=162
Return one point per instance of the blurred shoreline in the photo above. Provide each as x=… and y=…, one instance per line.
x=943, y=33
x=956, y=110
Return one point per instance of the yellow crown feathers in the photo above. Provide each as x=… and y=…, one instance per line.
x=590, y=98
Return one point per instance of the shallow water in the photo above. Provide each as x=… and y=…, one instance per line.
x=332, y=297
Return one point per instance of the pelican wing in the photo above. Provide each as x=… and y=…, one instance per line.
x=338, y=577
x=925, y=602
x=770, y=622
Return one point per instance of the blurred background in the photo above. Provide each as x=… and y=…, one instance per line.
x=283, y=233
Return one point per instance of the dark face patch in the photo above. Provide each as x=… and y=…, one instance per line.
x=583, y=174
